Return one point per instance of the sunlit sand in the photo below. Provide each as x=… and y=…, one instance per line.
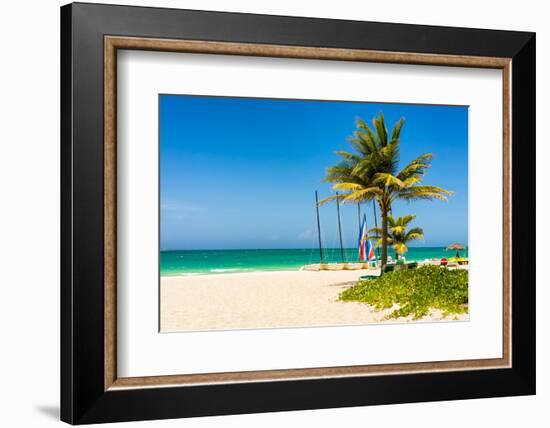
x=267, y=300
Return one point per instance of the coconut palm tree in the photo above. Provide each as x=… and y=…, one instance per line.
x=371, y=172
x=398, y=235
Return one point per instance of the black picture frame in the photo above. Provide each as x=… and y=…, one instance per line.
x=83, y=398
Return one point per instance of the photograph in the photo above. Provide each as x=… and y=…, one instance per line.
x=287, y=213
x=279, y=210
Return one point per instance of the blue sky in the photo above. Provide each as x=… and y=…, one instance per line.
x=241, y=172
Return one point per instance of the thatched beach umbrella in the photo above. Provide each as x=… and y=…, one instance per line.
x=456, y=247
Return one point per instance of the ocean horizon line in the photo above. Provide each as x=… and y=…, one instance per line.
x=195, y=262
x=289, y=248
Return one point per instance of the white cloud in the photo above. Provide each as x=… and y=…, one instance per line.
x=305, y=235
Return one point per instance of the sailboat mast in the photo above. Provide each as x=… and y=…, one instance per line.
x=339, y=227
x=375, y=225
x=319, y=227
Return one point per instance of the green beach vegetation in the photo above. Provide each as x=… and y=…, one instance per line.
x=371, y=172
x=415, y=291
x=398, y=235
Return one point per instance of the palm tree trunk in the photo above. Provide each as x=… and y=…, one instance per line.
x=384, y=214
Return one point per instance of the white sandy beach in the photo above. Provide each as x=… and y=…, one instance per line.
x=266, y=300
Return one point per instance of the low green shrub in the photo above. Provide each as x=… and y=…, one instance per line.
x=415, y=290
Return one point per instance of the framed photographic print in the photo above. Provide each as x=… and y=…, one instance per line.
x=265, y=213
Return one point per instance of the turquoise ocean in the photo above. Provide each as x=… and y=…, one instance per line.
x=201, y=262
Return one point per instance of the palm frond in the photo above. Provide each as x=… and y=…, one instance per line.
x=396, y=132
x=411, y=181
x=329, y=199
x=349, y=156
x=378, y=241
x=406, y=219
x=361, y=195
x=414, y=234
x=363, y=127
x=340, y=172
x=391, y=153
x=363, y=168
x=359, y=144
x=416, y=167
x=424, y=192
x=348, y=186
x=375, y=231
x=400, y=247
x=387, y=180
x=397, y=229
x=381, y=129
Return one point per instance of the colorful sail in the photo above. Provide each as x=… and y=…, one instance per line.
x=370, y=251
x=363, y=241
x=366, y=249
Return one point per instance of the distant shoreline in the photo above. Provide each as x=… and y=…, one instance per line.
x=291, y=249
x=183, y=263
